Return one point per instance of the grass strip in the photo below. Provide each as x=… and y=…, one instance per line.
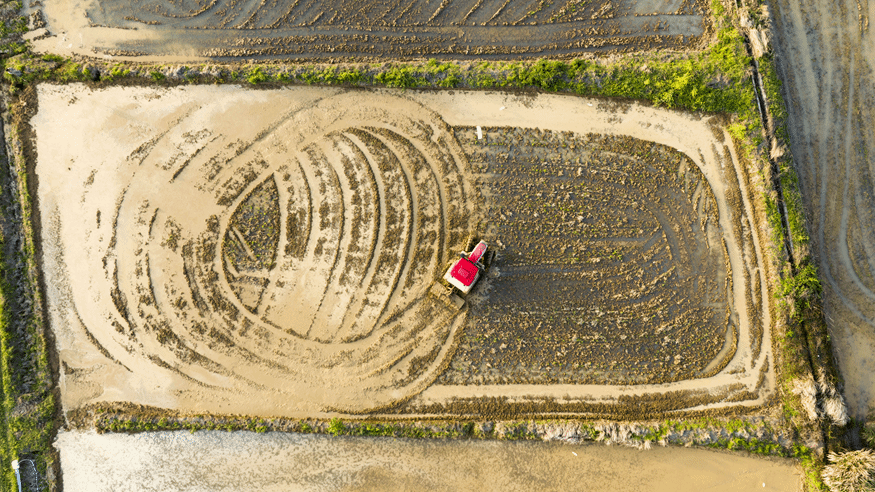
x=7, y=450
x=27, y=399
x=713, y=80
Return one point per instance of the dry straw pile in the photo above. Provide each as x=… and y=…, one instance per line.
x=853, y=471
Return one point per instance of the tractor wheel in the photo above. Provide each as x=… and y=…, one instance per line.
x=490, y=257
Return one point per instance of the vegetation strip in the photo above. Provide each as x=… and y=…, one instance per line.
x=28, y=401
x=713, y=80
x=807, y=367
x=755, y=435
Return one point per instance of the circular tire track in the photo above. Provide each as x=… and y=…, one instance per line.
x=309, y=269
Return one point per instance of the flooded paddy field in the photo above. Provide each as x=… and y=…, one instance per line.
x=228, y=30
x=219, y=461
x=272, y=253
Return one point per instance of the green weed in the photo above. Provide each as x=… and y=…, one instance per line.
x=24, y=367
x=401, y=77
x=802, y=291
x=336, y=427
x=256, y=76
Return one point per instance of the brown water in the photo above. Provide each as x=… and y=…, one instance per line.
x=241, y=461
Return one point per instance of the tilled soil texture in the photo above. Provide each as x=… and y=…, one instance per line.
x=826, y=55
x=612, y=269
x=272, y=252
x=229, y=29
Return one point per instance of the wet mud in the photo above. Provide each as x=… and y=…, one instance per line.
x=301, y=29
x=273, y=253
x=826, y=57
x=218, y=461
x=611, y=268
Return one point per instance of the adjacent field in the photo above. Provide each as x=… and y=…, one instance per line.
x=217, y=461
x=308, y=29
x=279, y=263
x=826, y=59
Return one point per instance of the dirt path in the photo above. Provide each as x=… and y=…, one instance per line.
x=219, y=461
x=826, y=53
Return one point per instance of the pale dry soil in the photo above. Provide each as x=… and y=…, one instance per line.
x=826, y=53
x=221, y=250
x=218, y=461
x=192, y=30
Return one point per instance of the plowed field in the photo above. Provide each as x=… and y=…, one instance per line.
x=272, y=252
x=221, y=29
x=613, y=269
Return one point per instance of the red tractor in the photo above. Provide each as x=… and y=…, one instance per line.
x=464, y=273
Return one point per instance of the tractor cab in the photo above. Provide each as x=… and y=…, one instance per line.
x=466, y=271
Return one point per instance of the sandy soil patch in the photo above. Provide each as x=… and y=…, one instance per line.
x=827, y=56
x=192, y=30
x=211, y=249
x=218, y=461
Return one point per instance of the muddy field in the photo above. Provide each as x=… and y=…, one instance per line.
x=219, y=461
x=214, y=249
x=827, y=55
x=612, y=269
x=196, y=29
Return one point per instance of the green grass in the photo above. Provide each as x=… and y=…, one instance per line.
x=787, y=174
x=10, y=31
x=256, y=76
x=867, y=433
x=803, y=290
x=335, y=427
x=7, y=450
x=811, y=469
x=24, y=366
x=691, y=81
